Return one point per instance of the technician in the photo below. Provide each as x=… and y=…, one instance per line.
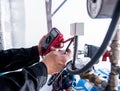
x=34, y=73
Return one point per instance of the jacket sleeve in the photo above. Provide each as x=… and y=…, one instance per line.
x=13, y=59
x=29, y=79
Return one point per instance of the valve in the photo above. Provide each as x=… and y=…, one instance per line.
x=106, y=54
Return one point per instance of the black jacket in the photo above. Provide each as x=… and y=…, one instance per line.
x=30, y=78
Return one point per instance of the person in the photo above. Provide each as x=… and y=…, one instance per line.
x=34, y=73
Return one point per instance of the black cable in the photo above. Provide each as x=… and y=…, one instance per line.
x=56, y=76
x=69, y=44
x=109, y=35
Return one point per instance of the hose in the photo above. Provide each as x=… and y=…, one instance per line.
x=109, y=35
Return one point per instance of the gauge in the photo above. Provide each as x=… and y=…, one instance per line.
x=101, y=8
x=93, y=7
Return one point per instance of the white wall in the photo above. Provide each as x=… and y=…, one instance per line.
x=35, y=21
x=75, y=11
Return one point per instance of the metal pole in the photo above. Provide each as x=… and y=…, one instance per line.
x=114, y=58
x=59, y=7
x=48, y=14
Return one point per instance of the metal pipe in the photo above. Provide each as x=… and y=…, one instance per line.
x=59, y=7
x=98, y=81
x=114, y=58
x=48, y=4
x=75, y=51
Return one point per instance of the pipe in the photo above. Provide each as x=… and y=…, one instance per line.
x=109, y=35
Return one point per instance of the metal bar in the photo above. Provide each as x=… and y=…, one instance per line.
x=114, y=60
x=59, y=7
x=48, y=14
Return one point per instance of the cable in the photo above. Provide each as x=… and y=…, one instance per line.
x=69, y=44
x=110, y=33
x=56, y=76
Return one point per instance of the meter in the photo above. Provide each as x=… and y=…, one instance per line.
x=101, y=8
